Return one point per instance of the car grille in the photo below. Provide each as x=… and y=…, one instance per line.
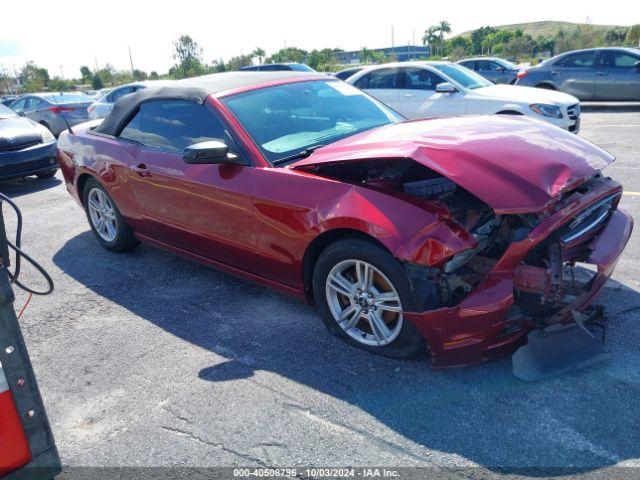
x=18, y=146
x=27, y=166
x=573, y=112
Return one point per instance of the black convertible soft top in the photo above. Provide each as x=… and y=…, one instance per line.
x=195, y=89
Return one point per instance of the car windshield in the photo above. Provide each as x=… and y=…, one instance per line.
x=61, y=98
x=6, y=112
x=506, y=64
x=285, y=120
x=463, y=76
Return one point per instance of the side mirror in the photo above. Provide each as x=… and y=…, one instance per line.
x=445, y=87
x=213, y=151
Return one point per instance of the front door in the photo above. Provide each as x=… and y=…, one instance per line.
x=575, y=74
x=203, y=209
x=383, y=84
x=617, y=77
x=420, y=99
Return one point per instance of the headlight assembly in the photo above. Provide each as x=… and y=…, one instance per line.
x=546, y=110
x=47, y=136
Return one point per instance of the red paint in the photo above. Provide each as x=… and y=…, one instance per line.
x=260, y=222
x=14, y=447
x=514, y=164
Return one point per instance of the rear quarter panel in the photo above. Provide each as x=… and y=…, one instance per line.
x=103, y=158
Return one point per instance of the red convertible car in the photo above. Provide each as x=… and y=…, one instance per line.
x=453, y=235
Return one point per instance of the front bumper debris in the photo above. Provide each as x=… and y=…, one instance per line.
x=562, y=348
x=489, y=322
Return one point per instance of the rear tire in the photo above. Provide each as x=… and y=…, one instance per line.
x=105, y=220
x=370, y=315
x=49, y=174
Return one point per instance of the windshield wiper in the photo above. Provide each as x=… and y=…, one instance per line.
x=301, y=154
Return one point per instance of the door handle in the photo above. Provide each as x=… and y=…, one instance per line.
x=409, y=95
x=602, y=74
x=554, y=72
x=142, y=170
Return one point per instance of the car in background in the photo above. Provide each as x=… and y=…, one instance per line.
x=278, y=67
x=408, y=235
x=493, y=69
x=56, y=111
x=101, y=107
x=26, y=147
x=347, y=72
x=444, y=89
x=7, y=99
x=600, y=74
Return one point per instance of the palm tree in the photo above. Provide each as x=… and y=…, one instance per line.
x=430, y=36
x=260, y=53
x=443, y=27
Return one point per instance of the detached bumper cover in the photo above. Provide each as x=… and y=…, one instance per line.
x=485, y=325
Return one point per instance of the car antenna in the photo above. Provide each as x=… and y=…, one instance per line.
x=66, y=123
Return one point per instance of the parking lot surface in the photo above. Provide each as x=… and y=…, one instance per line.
x=147, y=359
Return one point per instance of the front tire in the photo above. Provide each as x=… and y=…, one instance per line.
x=362, y=292
x=105, y=220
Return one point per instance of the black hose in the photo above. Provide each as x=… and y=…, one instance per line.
x=19, y=254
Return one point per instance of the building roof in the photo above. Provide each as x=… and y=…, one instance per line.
x=194, y=89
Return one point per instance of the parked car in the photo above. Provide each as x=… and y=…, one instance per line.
x=26, y=147
x=56, y=111
x=607, y=74
x=442, y=89
x=405, y=234
x=103, y=105
x=493, y=69
x=347, y=72
x=7, y=99
x=277, y=67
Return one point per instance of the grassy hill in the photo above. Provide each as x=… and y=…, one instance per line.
x=547, y=28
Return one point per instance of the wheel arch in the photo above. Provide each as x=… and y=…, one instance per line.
x=82, y=182
x=547, y=85
x=319, y=244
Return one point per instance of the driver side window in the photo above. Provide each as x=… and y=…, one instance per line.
x=172, y=125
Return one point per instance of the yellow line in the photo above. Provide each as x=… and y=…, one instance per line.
x=632, y=194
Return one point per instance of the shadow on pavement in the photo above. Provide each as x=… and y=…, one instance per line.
x=610, y=107
x=19, y=187
x=581, y=421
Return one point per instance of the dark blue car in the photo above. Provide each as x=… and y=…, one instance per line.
x=26, y=147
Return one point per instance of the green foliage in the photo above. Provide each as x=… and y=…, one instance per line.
x=235, y=63
x=86, y=74
x=139, y=75
x=96, y=82
x=633, y=35
x=34, y=78
x=58, y=84
x=188, y=57
x=289, y=54
x=154, y=75
x=259, y=53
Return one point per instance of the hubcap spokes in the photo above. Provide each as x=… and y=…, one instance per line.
x=364, y=302
x=103, y=215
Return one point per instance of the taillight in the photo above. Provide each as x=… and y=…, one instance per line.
x=15, y=450
x=90, y=109
x=59, y=109
x=522, y=73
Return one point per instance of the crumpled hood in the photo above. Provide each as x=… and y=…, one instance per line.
x=514, y=164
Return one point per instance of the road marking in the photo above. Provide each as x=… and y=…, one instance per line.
x=632, y=194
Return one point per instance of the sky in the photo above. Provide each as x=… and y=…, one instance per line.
x=62, y=36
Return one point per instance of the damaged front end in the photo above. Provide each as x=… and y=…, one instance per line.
x=536, y=272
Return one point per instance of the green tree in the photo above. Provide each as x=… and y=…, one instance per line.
x=154, y=75
x=139, y=75
x=33, y=77
x=239, y=61
x=633, y=35
x=260, y=53
x=478, y=37
x=288, y=54
x=86, y=74
x=444, y=28
x=96, y=82
x=188, y=57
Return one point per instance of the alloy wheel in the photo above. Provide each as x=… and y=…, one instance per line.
x=364, y=303
x=102, y=214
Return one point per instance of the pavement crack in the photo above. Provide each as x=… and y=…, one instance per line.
x=192, y=436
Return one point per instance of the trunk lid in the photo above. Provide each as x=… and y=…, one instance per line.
x=513, y=164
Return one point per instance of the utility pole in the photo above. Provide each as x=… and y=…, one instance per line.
x=95, y=59
x=393, y=39
x=130, y=59
x=61, y=72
